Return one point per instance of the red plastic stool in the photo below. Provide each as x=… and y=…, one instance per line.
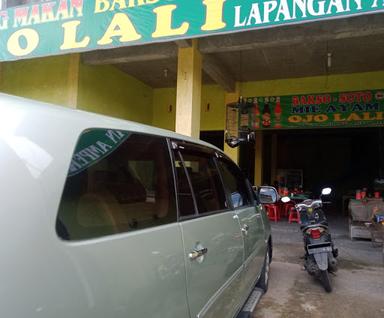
x=287, y=207
x=273, y=212
x=294, y=216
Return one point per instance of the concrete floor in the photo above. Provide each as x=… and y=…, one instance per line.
x=358, y=286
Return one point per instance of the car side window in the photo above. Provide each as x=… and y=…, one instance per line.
x=186, y=200
x=207, y=189
x=118, y=182
x=234, y=183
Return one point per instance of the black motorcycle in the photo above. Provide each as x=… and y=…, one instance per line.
x=320, y=252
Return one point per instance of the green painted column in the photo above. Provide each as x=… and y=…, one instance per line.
x=259, y=158
x=188, y=95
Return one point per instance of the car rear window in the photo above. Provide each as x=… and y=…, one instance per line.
x=117, y=182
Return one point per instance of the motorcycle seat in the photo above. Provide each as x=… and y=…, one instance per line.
x=305, y=227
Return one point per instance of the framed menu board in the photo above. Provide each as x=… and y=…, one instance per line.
x=290, y=178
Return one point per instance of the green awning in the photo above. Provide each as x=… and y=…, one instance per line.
x=64, y=26
x=324, y=110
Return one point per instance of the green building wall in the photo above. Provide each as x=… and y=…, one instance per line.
x=107, y=90
x=164, y=108
x=43, y=79
x=100, y=89
x=212, y=108
x=214, y=118
x=317, y=84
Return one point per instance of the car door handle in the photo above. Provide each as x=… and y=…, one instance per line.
x=197, y=253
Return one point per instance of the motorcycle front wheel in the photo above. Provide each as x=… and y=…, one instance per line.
x=324, y=278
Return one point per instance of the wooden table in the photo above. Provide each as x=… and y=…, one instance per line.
x=360, y=213
x=377, y=234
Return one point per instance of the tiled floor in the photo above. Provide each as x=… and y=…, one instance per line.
x=358, y=286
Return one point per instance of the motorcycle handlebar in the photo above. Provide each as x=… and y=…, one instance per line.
x=313, y=203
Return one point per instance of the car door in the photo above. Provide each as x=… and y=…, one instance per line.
x=213, y=243
x=250, y=218
x=117, y=219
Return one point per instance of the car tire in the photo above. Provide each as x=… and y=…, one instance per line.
x=263, y=281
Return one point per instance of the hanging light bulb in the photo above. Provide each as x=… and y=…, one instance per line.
x=329, y=60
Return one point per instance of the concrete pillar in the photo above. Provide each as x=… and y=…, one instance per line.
x=188, y=95
x=232, y=153
x=259, y=158
x=273, y=158
x=73, y=80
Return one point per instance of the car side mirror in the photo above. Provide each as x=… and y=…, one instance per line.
x=267, y=195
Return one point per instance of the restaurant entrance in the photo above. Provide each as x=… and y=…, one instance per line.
x=346, y=160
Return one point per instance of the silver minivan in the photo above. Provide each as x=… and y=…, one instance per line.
x=102, y=217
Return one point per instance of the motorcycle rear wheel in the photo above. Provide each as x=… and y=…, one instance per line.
x=324, y=278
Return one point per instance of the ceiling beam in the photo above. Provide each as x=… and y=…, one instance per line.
x=355, y=27
x=291, y=35
x=160, y=51
x=131, y=54
x=218, y=73
x=184, y=43
x=278, y=39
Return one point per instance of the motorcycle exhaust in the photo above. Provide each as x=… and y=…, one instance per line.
x=332, y=264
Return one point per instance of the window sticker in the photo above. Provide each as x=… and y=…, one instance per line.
x=93, y=146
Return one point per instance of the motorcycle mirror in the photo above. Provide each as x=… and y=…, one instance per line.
x=326, y=191
x=285, y=199
x=233, y=141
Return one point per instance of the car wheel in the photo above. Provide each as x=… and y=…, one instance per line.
x=264, y=277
